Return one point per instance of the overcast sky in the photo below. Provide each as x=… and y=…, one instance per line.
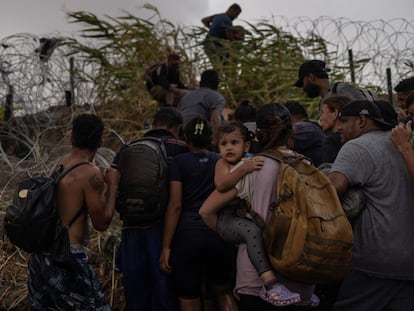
x=43, y=17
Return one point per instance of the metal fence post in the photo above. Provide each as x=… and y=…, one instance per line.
x=351, y=65
x=389, y=85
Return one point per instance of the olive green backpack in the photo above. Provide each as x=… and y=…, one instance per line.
x=308, y=236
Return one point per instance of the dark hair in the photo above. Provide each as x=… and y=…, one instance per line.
x=387, y=112
x=296, y=109
x=235, y=7
x=405, y=85
x=276, y=135
x=169, y=117
x=316, y=67
x=210, y=79
x=245, y=112
x=275, y=128
x=87, y=131
x=233, y=126
x=198, y=132
x=336, y=102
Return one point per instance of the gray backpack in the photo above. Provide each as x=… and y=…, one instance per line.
x=143, y=188
x=363, y=94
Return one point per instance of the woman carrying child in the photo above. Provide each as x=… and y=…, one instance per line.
x=273, y=122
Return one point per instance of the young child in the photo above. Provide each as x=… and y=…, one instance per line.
x=233, y=143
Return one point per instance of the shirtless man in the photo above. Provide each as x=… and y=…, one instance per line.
x=93, y=192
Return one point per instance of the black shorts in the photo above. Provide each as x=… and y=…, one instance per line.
x=197, y=256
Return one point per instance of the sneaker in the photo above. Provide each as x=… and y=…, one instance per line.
x=311, y=303
x=279, y=295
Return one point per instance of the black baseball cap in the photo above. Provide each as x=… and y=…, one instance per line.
x=366, y=108
x=317, y=67
x=270, y=110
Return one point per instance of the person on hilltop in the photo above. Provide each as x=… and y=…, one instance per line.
x=221, y=28
x=163, y=81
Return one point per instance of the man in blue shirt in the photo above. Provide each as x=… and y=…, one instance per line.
x=220, y=28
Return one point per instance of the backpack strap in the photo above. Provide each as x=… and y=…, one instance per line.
x=288, y=158
x=371, y=95
x=334, y=88
x=81, y=210
x=275, y=155
x=58, y=179
x=367, y=94
x=364, y=92
x=245, y=206
x=67, y=171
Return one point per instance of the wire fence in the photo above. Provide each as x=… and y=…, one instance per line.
x=36, y=74
x=375, y=45
x=41, y=88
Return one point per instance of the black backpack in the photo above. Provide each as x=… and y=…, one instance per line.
x=32, y=220
x=143, y=187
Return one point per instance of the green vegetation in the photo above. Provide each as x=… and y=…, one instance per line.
x=262, y=67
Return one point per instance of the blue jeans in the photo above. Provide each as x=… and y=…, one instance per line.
x=146, y=287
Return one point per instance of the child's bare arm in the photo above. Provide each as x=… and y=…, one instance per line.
x=225, y=179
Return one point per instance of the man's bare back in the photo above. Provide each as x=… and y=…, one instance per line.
x=52, y=285
x=85, y=188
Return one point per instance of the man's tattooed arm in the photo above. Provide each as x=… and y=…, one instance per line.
x=97, y=183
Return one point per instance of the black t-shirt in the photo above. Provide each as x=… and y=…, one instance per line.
x=196, y=173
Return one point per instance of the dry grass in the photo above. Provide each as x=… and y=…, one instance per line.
x=101, y=250
x=101, y=246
